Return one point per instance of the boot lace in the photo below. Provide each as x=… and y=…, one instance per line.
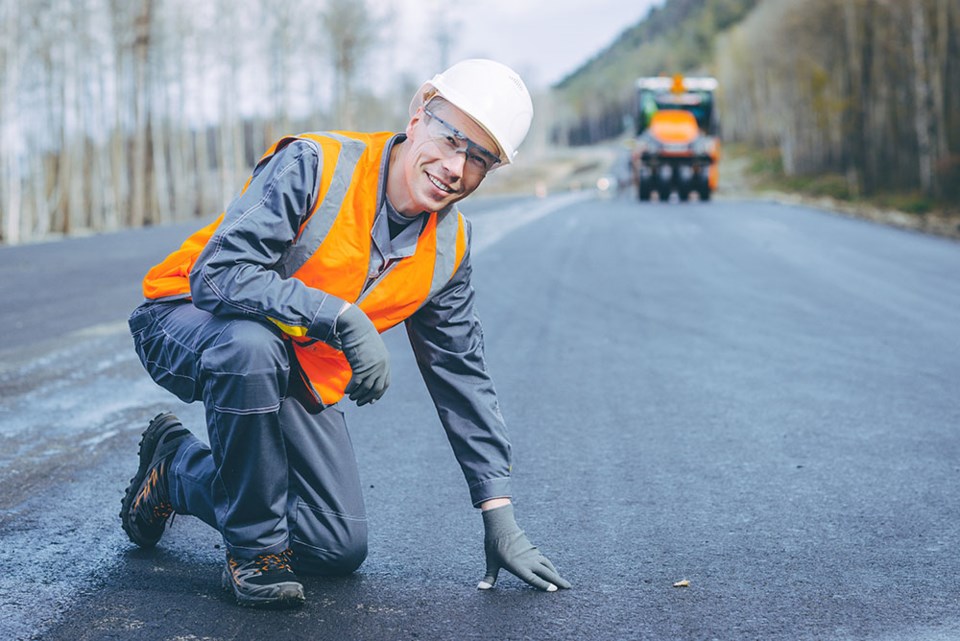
x=277, y=562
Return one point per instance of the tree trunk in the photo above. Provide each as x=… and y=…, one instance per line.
x=921, y=96
x=141, y=49
x=98, y=203
x=11, y=185
x=938, y=75
x=854, y=118
x=159, y=140
x=181, y=171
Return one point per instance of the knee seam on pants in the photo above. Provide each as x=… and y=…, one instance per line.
x=247, y=411
x=269, y=371
x=359, y=518
x=348, y=517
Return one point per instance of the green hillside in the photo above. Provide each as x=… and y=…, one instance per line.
x=677, y=37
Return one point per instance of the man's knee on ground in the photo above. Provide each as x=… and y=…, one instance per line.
x=330, y=562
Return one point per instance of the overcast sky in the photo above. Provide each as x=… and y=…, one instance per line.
x=543, y=40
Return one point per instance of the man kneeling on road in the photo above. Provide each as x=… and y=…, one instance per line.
x=273, y=313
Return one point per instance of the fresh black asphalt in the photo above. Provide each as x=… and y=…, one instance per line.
x=759, y=399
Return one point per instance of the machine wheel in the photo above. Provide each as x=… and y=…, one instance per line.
x=643, y=190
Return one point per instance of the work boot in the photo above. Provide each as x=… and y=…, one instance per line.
x=146, y=505
x=265, y=581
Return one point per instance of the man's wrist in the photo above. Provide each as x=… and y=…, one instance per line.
x=323, y=326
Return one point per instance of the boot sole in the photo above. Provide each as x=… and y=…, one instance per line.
x=291, y=596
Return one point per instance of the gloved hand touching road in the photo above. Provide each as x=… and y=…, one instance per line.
x=366, y=353
x=508, y=547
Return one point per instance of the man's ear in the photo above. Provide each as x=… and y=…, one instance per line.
x=413, y=121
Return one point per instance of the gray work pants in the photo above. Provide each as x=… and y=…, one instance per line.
x=274, y=475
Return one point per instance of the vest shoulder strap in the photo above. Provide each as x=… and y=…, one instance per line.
x=319, y=224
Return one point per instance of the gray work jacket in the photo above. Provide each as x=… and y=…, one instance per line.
x=233, y=275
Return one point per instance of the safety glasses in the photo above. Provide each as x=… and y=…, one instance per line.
x=451, y=140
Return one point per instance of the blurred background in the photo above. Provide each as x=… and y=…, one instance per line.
x=124, y=113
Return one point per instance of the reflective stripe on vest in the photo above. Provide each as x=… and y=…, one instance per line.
x=316, y=228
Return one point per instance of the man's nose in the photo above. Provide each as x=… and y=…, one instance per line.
x=454, y=164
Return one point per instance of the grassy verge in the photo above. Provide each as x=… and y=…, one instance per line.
x=762, y=172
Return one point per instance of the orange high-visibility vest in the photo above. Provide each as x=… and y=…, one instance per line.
x=332, y=252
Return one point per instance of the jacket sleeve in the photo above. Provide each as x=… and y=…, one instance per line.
x=447, y=340
x=234, y=275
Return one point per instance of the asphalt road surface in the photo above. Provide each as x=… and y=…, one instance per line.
x=759, y=399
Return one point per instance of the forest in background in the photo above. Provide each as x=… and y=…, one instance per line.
x=857, y=90
x=117, y=113
x=865, y=90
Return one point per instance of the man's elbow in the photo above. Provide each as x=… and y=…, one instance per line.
x=202, y=290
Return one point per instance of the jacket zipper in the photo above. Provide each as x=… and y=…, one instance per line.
x=372, y=282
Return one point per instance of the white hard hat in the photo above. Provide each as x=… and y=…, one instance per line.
x=490, y=93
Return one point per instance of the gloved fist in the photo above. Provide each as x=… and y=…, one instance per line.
x=366, y=353
x=507, y=547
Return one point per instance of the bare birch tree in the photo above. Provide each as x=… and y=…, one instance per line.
x=921, y=94
x=860, y=97
x=11, y=180
x=350, y=33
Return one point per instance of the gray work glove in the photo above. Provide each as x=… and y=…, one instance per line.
x=366, y=353
x=508, y=547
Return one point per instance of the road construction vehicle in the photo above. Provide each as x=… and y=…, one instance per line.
x=677, y=147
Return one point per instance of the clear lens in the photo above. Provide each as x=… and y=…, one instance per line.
x=451, y=140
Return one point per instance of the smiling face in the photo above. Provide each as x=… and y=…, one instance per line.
x=426, y=175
